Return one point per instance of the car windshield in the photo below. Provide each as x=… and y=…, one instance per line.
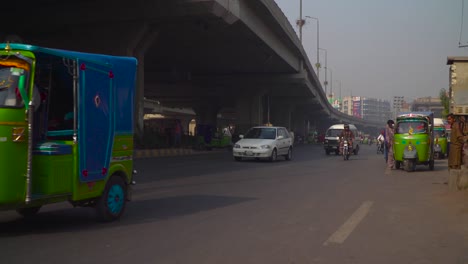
x=411, y=127
x=334, y=132
x=262, y=133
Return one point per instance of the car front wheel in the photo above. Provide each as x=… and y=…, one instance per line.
x=274, y=155
x=289, y=155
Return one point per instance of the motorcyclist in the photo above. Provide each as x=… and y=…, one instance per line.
x=380, y=142
x=348, y=135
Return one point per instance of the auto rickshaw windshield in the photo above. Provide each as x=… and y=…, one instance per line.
x=12, y=86
x=439, y=133
x=411, y=127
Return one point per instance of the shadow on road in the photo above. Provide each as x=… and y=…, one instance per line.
x=137, y=212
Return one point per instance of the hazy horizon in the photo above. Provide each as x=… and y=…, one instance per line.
x=381, y=49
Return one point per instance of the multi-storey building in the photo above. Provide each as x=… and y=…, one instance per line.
x=371, y=109
x=376, y=109
x=431, y=104
x=398, y=102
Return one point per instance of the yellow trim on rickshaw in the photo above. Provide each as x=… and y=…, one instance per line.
x=14, y=123
x=13, y=62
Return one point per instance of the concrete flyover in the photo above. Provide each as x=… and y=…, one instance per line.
x=215, y=56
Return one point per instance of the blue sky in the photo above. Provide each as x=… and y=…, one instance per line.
x=383, y=48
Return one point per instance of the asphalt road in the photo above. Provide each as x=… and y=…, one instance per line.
x=211, y=209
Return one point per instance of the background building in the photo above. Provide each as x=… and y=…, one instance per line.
x=376, y=109
x=371, y=109
x=398, y=102
x=431, y=104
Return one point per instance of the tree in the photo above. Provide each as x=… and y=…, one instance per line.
x=444, y=100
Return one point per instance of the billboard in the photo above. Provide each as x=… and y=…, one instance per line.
x=357, y=106
x=335, y=102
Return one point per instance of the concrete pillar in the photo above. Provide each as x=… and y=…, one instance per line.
x=282, y=115
x=299, y=124
x=250, y=112
x=458, y=179
x=206, y=118
x=207, y=112
x=138, y=43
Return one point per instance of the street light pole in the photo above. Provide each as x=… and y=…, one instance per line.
x=340, y=88
x=318, y=45
x=331, y=82
x=340, y=102
x=301, y=21
x=325, y=82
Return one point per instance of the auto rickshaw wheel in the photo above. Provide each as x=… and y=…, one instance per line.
x=28, y=212
x=410, y=165
x=397, y=165
x=431, y=164
x=111, y=205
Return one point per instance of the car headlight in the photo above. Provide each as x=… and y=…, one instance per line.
x=236, y=146
x=265, y=147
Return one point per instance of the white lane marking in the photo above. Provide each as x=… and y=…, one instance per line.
x=347, y=228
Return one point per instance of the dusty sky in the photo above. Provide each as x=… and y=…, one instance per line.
x=383, y=48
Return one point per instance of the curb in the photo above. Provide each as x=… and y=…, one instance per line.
x=155, y=153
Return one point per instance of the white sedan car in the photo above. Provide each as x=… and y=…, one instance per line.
x=264, y=142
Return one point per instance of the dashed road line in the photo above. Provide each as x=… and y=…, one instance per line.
x=347, y=228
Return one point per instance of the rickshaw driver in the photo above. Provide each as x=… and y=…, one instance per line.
x=346, y=134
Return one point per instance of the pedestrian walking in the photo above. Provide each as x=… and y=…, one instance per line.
x=389, y=136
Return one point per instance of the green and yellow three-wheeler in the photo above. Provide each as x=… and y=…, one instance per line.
x=414, y=139
x=440, y=142
x=66, y=129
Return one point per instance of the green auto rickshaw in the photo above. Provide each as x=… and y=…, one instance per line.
x=440, y=142
x=414, y=140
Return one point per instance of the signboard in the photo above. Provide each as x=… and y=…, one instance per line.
x=357, y=106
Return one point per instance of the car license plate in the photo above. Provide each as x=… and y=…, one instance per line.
x=248, y=153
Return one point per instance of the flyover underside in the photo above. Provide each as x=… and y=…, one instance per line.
x=192, y=53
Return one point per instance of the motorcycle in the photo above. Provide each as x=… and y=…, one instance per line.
x=346, y=151
x=380, y=147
